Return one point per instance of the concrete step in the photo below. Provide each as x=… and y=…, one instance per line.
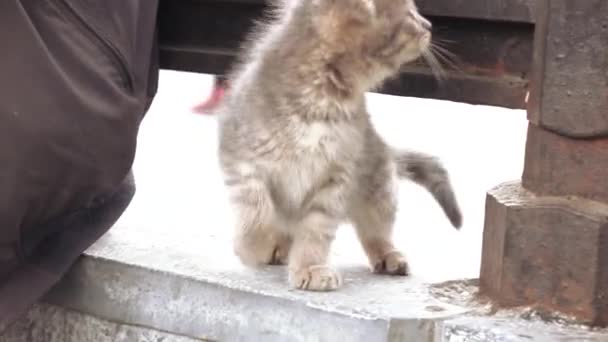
x=110, y=300
x=47, y=323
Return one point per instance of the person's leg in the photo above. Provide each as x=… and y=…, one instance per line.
x=77, y=79
x=49, y=257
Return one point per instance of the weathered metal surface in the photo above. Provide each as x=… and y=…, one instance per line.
x=562, y=166
x=203, y=36
x=547, y=252
x=495, y=10
x=570, y=82
x=546, y=240
x=492, y=43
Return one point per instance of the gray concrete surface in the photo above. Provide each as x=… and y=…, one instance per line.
x=46, y=323
x=247, y=306
x=510, y=329
x=168, y=264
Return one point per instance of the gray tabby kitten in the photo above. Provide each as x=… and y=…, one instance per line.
x=297, y=148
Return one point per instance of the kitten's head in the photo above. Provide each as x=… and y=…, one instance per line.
x=385, y=34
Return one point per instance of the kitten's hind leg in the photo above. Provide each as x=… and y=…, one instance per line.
x=374, y=230
x=257, y=241
x=308, y=268
x=373, y=215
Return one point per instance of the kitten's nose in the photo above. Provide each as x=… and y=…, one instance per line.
x=426, y=24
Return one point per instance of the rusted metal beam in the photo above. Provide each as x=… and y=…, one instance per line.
x=492, y=42
x=494, y=10
x=545, y=240
x=572, y=69
x=521, y=11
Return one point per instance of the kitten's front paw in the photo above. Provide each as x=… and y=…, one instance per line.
x=392, y=263
x=316, y=278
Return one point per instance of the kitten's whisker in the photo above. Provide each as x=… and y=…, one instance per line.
x=447, y=57
x=443, y=41
x=445, y=60
x=437, y=47
x=434, y=64
x=445, y=51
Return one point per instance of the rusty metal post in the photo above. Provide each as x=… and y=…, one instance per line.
x=545, y=240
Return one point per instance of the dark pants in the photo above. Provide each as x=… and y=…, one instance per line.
x=76, y=78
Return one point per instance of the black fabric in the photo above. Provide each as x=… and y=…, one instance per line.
x=52, y=256
x=76, y=78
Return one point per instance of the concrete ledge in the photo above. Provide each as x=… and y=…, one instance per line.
x=239, y=306
x=247, y=306
x=45, y=323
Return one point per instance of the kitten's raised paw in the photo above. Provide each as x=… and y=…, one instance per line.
x=316, y=278
x=392, y=263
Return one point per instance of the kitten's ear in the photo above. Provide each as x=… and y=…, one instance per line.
x=340, y=19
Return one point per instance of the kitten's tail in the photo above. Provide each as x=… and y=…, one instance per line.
x=427, y=171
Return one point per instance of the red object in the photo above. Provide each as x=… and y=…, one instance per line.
x=212, y=102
